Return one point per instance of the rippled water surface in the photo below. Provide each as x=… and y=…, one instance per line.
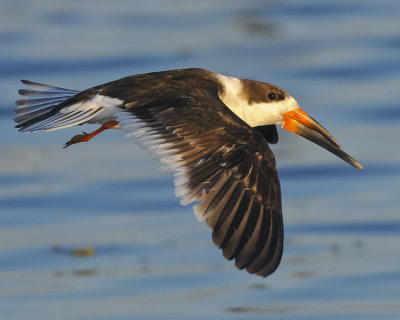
x=148, y=257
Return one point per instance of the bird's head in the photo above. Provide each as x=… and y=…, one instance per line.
x=259, y=104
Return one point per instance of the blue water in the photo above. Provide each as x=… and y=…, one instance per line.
x=153, y=259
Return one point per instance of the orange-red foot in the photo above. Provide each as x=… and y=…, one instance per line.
x=87, y=136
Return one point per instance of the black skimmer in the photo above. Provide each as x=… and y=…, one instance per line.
x=211, y=130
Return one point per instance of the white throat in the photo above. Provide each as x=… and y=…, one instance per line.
x=254, y=114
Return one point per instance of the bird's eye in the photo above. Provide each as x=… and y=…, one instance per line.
x=271, y=96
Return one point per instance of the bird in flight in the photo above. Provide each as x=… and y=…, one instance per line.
x=211, y=131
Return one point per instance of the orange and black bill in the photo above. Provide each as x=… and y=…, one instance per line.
x=301, y=123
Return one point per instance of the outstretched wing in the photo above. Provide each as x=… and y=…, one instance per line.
x=221, y=163
x=49, y=108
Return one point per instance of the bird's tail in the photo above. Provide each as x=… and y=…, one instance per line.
x=38, y=104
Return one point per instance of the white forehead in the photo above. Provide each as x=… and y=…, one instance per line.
x=254, y=114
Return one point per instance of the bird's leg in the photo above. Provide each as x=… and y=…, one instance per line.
x=87, y=136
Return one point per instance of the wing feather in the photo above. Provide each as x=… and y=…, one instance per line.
x=34, y=103
x=40, y=96
x=40, y=87
x=221, y=163
x=222, y=235
x=49, y=108
x=29, y=115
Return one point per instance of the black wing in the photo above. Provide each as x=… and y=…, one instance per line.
x=220, y=162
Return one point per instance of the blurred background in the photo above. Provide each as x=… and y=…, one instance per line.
x=95, y=231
